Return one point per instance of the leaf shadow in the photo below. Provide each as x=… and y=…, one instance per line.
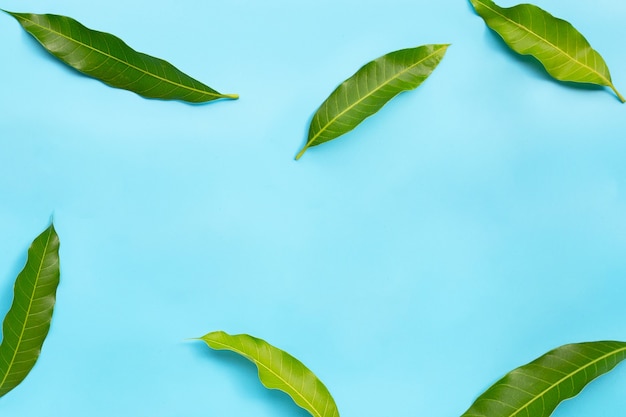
x=34, y=46
x=532, y=64
x=246, y=375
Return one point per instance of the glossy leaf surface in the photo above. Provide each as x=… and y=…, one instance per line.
x=536, y=389
x=369, y=89
x=279, y=370
x=555, y=43
x=26, y=324
x=107, y=58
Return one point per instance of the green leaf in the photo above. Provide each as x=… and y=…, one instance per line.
x=536, y=389
x=556, y=44
x=279, y=370
x=369, y=89
x=26, y=324
x=107, y=58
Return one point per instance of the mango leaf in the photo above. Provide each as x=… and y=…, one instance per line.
x=279, y=370
x=26, y=324
x=107, y=58
x=369, y=89
x=556, y=44
x=536, y=389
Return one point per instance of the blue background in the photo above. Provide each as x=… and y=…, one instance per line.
x=469, y=227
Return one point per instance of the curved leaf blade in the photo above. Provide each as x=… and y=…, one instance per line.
x=369, y=89
x=279, y=370
x=555, y=43
x=537, y=388
x=109, y=59
x=27, y=323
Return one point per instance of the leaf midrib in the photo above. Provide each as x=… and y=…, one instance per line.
x=350, y=107
x=561, y=51
x=570, y=375
x=120, y=60
x=28, y=310
x=231, y=347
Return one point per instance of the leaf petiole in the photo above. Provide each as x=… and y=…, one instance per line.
x=619, y=96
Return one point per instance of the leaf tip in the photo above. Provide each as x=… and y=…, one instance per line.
x=192, y=339
x=15, y=15
x=444, y=47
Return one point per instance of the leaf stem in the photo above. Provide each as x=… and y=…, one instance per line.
x=302, y=151
x=621, y=97
x=231, y=96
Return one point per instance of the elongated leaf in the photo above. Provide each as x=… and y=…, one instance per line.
x=555, y=43
x=369, y=89
x=536, y=389
x=107, y=58
x=26, y=324
x=279, y=370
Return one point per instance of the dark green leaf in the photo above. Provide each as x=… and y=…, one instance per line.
x=279, y=370
x=107, y=58
x=26, y=324
x=369, y=89
x=536, y=389
x=555, y=43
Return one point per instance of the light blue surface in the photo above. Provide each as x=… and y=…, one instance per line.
x=469, y=227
